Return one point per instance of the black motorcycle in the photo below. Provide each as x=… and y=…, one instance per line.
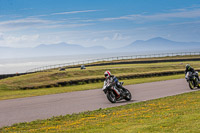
x=114, y=96
x=192, y=80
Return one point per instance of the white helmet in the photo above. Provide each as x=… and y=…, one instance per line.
x=107, y=74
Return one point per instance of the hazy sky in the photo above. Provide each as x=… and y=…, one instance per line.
x=110, y=23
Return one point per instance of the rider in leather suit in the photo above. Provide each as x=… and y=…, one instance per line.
x=111, y=79
x=188, y=68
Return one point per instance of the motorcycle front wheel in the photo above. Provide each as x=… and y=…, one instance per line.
x=191, y=85
x=111, y=97
x=128, y=95
x=198, y=86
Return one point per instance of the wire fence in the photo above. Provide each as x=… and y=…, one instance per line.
x=43, y=68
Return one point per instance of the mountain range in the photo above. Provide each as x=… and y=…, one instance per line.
x=151, y=45
x=49, y=50
x=162, y=44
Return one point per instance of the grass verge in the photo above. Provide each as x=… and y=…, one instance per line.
x=11, y=94
x=54, y=77
x=170, y=114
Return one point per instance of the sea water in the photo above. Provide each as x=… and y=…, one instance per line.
x=21, y=65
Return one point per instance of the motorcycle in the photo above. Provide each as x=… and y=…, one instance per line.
x=192, y=80
x=114, y=94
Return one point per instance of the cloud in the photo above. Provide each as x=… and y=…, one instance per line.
x=65, y=13
x=73, y=12
x=127, y=17
x=24, y=22
x=160, y=16
x=183, y=14
x=1, y=36
x=37, y=23
x=186, y=23
x=18, y=40
x=119, y=36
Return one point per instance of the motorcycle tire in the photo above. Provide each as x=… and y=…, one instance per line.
x=191, y=85
x=128, y=95
x=111, y=97
x=198, y=86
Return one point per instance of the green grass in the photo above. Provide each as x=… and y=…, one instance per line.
x=54, y=76
x=170, y=114
x=12, y=87
x=10, y=94
x=150, y=59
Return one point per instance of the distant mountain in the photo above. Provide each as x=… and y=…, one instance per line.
x=153, y=45
x=161, y=44
x=58, y=46
x=67, y=49
x=49, y=50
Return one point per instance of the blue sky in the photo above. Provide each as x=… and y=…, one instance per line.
x=108, y=23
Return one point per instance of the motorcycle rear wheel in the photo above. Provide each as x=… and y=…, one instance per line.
x=111, y=97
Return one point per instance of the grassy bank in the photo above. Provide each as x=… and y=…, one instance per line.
x=10, y=94
x=51, y=78
x=13, y=87
x=171, y=114
x=147, y=59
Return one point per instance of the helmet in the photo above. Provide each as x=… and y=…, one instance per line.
x=187, y=66
x=107, y=74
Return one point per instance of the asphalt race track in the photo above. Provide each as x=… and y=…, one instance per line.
x=43, y=107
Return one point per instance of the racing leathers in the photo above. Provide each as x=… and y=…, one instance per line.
x=112, y=80
x=190, y=69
